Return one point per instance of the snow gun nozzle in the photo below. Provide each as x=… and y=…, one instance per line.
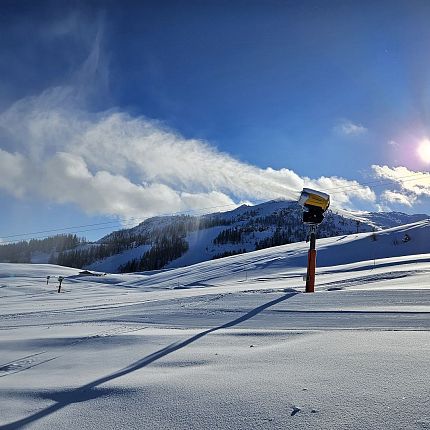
x=314, y=204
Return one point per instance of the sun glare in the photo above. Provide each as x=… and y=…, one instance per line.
x=424, y=151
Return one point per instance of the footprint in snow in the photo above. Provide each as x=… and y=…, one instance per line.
x=295, y=410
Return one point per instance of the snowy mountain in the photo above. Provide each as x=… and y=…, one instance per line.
x=287, y=263
x=178, y=241
x=182, y=240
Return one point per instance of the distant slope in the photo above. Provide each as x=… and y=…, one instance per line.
x=284, y=264
x=290, y=260
x=245, y=229
x=182, y=240
x=382, y=220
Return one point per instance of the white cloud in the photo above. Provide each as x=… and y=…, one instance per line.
x=343, y=190
x=12, y=168
x=116, y=164
x=399, y=198
x=414, y=183
x=382, y=207
x=113, y=163
x=348, y=128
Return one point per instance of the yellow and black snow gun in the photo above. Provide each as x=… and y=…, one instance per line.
x=314, y=204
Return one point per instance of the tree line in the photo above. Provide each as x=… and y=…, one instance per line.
x=22, y=251
x=162, y=253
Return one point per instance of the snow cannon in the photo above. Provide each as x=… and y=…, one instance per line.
x=314, y=204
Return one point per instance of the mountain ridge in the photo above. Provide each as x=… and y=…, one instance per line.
x=247, y=228
x=173, y=241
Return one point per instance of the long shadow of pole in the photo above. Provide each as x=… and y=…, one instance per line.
x=83, y=392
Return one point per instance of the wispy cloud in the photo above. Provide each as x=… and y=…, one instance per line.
x=112, y=163
x=399, y=198
x=53, y=148
x=412, y=183
x=348, y=128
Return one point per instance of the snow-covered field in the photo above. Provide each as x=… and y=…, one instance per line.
x=225, y=344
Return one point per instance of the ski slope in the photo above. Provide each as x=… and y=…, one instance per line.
x=229, y=344
x=256, y=223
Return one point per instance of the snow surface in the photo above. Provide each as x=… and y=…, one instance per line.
x=111, y=264
x=225, y=344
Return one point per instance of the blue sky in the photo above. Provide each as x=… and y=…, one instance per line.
x=115, y=111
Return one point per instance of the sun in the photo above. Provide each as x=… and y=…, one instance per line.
x=424, y=150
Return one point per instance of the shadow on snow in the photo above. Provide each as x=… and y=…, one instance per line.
x=90, y=390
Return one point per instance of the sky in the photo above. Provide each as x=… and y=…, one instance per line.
x=112, y=112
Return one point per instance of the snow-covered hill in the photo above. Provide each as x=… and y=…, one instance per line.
x=183, y=240
x=285, y=263
x=244, y=229
x=229, y=344
x=370, y=249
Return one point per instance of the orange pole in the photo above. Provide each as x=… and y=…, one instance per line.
x=310, y=279
x=312, y=262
